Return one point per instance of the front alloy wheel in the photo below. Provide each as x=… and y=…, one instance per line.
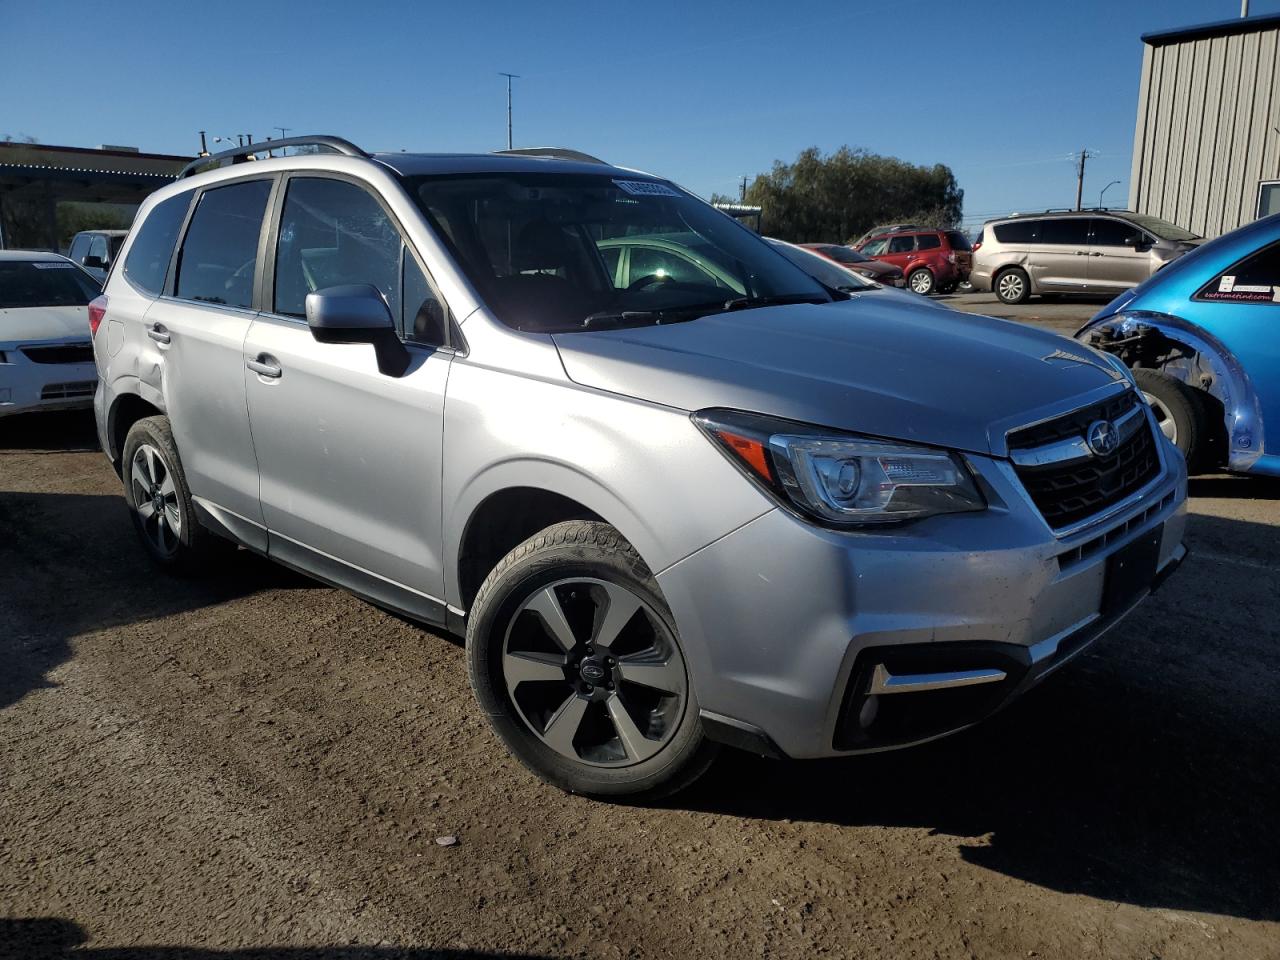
x=594, y=673
x=574, y=656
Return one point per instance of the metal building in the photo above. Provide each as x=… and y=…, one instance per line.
x=1206, y=151
x=47, y=193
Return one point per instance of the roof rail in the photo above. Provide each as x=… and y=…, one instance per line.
x=246, y=152
x=555, y=153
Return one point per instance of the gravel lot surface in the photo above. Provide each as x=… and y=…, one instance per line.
x=254, y=766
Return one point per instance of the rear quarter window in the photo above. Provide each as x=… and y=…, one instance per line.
x=1255, y=279
x=1018, y=231
x=148, y=259
x=958, y=240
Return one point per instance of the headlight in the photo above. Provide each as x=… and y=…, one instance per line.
x=842, y=479
x=866, y=273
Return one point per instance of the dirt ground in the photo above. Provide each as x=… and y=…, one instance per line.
x=255, y=766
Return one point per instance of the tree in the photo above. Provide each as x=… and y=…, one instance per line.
x=833, y=199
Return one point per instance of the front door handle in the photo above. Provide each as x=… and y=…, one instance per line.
x=265, y=366
x=158, y=333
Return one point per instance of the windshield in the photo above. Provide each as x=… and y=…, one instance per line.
x=558, y=252
x=1161, y=228
x=820, y=268
x=843, y=254
x=44, y=283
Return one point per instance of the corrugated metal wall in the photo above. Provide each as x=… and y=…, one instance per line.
x=1207, y=133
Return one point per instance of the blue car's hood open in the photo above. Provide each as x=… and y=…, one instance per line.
x=914, y=374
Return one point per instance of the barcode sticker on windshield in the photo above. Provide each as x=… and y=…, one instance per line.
x=645, y=188
x=52, y=265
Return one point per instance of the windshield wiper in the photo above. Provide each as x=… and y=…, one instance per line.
x=603, y=317
x=750, y=303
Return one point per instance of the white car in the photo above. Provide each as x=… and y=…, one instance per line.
x=46, y=354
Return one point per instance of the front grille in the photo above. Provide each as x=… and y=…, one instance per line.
x=69, y=391
x=1067, y=493
x=64, y=353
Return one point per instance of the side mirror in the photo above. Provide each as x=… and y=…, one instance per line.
x=357, y=313
x=95, y=263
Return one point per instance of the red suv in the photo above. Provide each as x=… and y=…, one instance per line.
x=932, y=260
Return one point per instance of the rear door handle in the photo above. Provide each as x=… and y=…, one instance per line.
x=158, y=333
x=265, y=366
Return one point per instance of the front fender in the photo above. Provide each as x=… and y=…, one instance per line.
x=1231, y=386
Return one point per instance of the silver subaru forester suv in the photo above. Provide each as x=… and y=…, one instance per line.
x=668, y=508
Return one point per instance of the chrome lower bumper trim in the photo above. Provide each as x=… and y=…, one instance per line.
x=882, y=681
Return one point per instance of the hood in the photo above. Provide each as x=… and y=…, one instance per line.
x=872, y=366
x=878, y=267
x=24, y=324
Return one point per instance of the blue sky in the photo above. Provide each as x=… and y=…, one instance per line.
x=1002, y=92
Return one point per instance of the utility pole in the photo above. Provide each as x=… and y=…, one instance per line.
x=742, y=193
x=284, y=132
x=510, y=77
x=1080, y=159
x=204, y=147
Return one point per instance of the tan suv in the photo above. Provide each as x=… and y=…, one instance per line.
x=1093, y=251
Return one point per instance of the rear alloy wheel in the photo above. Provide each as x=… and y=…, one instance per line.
x=574, y=656
x=159, y=500
x=921, y=281
x=1012, y=286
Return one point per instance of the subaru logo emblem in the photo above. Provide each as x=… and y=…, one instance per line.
x=592, y=671
x=1102, y=438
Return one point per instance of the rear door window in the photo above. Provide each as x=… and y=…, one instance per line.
x=152, y=249
x=1017, y=231
x=1255, y=279
x=902, y=244
x=1066, y=232
x=220, y=251
x=928, y=241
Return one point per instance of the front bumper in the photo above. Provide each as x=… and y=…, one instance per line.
x=794, y=633
x=28, y=386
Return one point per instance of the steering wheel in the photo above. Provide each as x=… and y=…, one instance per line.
x=649, y=280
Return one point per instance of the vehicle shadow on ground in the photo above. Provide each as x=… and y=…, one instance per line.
x=66, y=432
x=71, y=563
x=1234, y=487
x=1144, y=772
x=50, y=938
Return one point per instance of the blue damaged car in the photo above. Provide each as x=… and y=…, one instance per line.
x=1202, y=338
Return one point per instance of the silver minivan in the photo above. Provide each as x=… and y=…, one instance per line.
x=669, y=508
x=1100, y=251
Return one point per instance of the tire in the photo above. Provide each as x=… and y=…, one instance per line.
x=1179, y=411
x=159, y=500
x=1012, y=285
x=922, y=281
x=552, y=695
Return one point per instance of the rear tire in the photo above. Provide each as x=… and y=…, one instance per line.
x=574, y=656
x=1012, y=286
x=1180, y=413
x=159, y=500
x=922, y=281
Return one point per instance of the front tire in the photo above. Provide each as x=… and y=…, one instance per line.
x=159, y=500
x=1179, y=412
x=574, y=657
x=922, y=281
